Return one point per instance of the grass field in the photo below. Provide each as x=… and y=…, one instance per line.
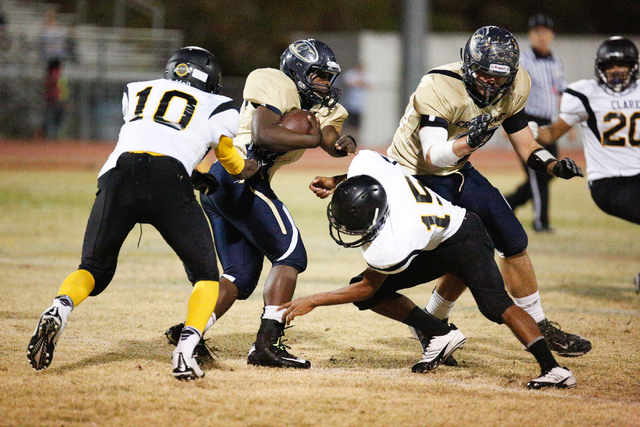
x=111, y=367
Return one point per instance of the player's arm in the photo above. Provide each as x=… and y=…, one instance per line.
x=358, y=291
x=551, y=133
x=336, y=145
x=232, y=161
x=323, y=186
x=266, y=132
x=538, y=158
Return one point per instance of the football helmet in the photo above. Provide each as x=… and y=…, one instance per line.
x=306, y=59
x=195, y=66
x=491, y=53
x=617, y=50
x=359, y=208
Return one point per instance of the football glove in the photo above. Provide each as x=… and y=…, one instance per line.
x=479, y=131
x=205, y=183
x=566, y=169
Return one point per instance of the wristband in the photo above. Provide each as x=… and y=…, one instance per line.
x=539, y=159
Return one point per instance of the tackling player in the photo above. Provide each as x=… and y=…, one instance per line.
x=409, y=235
x=248, y=219
x=170, y=124
x=608, y=109
x=453, y=112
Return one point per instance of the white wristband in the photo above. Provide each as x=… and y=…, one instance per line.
x=442, y=155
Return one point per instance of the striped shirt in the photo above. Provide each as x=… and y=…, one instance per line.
x=547, y=83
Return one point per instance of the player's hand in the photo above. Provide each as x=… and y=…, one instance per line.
x=345, y=145
x=534, y=129
x=566, y=169
x=205, y=183
x=297, y=307
x=323, y=186
x=479, y=131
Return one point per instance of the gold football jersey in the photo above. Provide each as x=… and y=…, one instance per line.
x=442, y=93
x=268, y=86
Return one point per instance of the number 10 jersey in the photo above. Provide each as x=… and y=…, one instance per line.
x=173, y=119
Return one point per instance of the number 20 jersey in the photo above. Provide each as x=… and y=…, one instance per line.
x=174, y=119
x=610, y=127
x=419, y=219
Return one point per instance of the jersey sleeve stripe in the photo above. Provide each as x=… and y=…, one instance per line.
x=515, y=123
x=591, y=121
x=229, y=105
x=446, y=73
x=270, y=107
x=433, y=121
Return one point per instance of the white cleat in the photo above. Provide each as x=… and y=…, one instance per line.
x=185, y=366
x=439, y=348
x=557, y=378
x=44, y=339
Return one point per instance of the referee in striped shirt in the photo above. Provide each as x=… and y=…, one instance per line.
x=547, y=84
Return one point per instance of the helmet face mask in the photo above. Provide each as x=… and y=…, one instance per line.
x=196, y=67
x=358, y=210
x=489, y=64
x=312, y=66
x=616, y=51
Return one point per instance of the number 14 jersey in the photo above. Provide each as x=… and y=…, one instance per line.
x=174, y=119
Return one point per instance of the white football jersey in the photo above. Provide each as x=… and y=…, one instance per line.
x=174, y=119
x=610, y=127
x=419, y=219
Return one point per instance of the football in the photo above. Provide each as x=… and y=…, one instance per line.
x=297, y=121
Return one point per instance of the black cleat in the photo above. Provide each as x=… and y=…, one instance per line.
x=270, y=350
x=566, y=345
x=44, y=339
x=203, y=353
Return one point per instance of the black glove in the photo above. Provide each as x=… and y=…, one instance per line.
x=566, y=169
x=478, y=131
x=205, y=183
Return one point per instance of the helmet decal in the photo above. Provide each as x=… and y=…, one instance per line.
x=305, y=51
x=181, y=70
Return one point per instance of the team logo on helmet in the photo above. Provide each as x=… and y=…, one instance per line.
x=181, y=70
x=305, y=51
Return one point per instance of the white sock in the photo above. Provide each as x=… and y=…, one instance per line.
x=271, y=312
x=64, y=305
x=438, y=306
x=532, y=305
x=189, y=338
x=210, y=323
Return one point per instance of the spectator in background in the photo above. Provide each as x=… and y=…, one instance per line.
x=55, y=94
x=547, y=84
x=355, y=95
x=53, y=41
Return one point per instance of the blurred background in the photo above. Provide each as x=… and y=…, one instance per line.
x=383, y=47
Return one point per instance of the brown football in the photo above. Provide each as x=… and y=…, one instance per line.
x=297, y=121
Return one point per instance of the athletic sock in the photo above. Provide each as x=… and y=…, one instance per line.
x=64, y=305
x=425, y=323
x=271, y=312
x=212, y=321
x=438, y=306
x=532, y=305
x=200, y=303
x=540, y=350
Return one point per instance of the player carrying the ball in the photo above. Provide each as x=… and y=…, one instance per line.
x=248, y=220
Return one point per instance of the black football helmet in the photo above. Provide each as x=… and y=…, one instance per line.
x=195, y=66
x=358, y=207
x=305, y=59
x=617, y=50
x=495, y=52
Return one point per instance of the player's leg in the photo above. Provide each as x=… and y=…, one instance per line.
x=510, y=239
x=110, y=221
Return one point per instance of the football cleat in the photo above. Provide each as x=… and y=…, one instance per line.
x=566, y=345
x=636, y=282
x=438, y=349
x=556, y=377
x=424, y=342
x=203, y=353
x=185, y=367
x=270, y=350
x=44, y=339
